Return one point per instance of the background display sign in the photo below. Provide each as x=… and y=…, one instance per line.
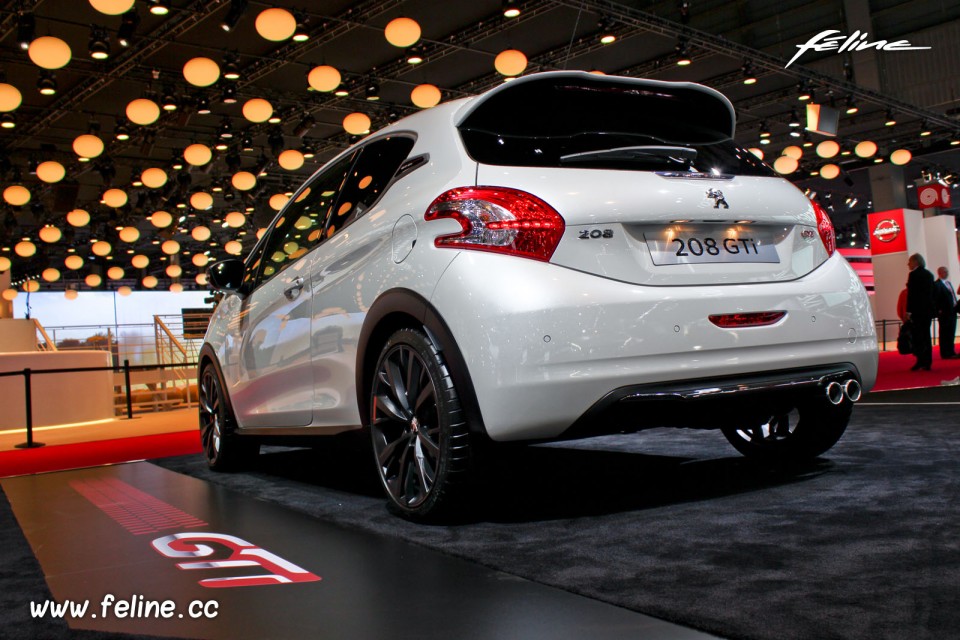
x=887, y=232
x=933, y=195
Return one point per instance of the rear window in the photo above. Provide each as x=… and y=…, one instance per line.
x=607, y=124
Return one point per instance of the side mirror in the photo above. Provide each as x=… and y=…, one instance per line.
x=226, y=275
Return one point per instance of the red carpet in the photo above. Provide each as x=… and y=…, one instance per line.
x=90, y=454
x=894, y=372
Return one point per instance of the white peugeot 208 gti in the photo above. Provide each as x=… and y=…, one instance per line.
x=565, y=255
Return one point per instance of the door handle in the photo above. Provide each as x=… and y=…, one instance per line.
x=294, y=289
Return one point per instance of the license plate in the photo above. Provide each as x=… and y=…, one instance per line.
x=701, y=245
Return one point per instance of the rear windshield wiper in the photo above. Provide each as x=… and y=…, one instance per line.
x=644, y=153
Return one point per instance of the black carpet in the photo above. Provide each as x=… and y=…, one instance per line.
x=862, y=543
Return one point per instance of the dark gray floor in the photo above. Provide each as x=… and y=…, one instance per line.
x=98, y=532
x=859, y=544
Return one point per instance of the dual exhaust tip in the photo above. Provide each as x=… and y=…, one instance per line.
x=838, y=391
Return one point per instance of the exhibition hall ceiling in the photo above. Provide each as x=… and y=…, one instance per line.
x=143, y=52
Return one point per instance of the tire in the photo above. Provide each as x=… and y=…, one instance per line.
x=802, y=434
x=223, y=448
x=421, y=442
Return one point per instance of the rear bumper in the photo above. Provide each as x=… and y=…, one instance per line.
x=545, y=344
x=710, y=403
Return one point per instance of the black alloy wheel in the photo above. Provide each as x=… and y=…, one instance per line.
x=222, y=447
x=804, y=432
x=420, y=437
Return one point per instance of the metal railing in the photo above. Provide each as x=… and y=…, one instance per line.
x=126, y=370
x=888, y=330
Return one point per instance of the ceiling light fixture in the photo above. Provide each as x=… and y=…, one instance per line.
x=416, y=54
x=26, y=29
x=229, y=95
x=606, y=34
x=99, y=44
x=128, y=27
x=372, y=92
x=169, y=101
x=749, y=76
x=159, y=7
x=226, y=129
x=803, y=92
x=511, y=9
x=237, y=7
x=203, y=105
x=683, y=54
x=47, y=84
x=121, y=131
x=302, y=31
x=852, y=107
x=891, y=119
x=231, y=71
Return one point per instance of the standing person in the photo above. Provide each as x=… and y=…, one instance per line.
x=946, y=313
x=920, y=310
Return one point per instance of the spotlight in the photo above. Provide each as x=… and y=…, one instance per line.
x=121, y=131
x=246, y=142
x=606, y=34
x=343, y=89
x=852, y=107
x=804, y=92
x=26, y=29
x=237, y=7
x=176, y=163
x=764, y=130
x=891, y=120
x=169, y=101
x=307, y=151
x=7, y=121
x=749, y=77
x=230, y=69
x=683, y=54
x=47, y=85
x=128, y=26
x=99, y=45
x=203, y=105
x=229, y=95
x=226, y=129
x=159, y=7
x=415, y=54
x=372, y=92
x=510, y=9
x=302, y=32
x=794, y=119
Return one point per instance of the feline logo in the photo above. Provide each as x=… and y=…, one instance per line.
x=824, y=41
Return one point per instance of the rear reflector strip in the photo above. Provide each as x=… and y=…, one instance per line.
x=737, y=320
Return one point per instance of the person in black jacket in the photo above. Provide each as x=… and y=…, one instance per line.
x=920, y=310
x=946, y=313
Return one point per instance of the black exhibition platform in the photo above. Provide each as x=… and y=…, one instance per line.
x=185, y=558
x=861, y=543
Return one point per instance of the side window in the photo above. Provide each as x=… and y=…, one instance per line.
x=370, y=176
x=252, y=267
x=303, y=224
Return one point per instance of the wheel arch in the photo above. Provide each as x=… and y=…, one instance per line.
x=398, y=309
x=208, y=355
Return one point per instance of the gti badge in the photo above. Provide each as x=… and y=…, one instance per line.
x=718, y=198
x=886, y=230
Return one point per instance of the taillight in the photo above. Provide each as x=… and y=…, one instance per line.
x=499, y=219
x=825, y=228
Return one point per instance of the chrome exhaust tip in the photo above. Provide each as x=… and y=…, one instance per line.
x=852, y=390
x=835, y=393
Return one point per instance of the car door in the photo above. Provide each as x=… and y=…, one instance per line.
x=354, y=254
x=275, y=387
